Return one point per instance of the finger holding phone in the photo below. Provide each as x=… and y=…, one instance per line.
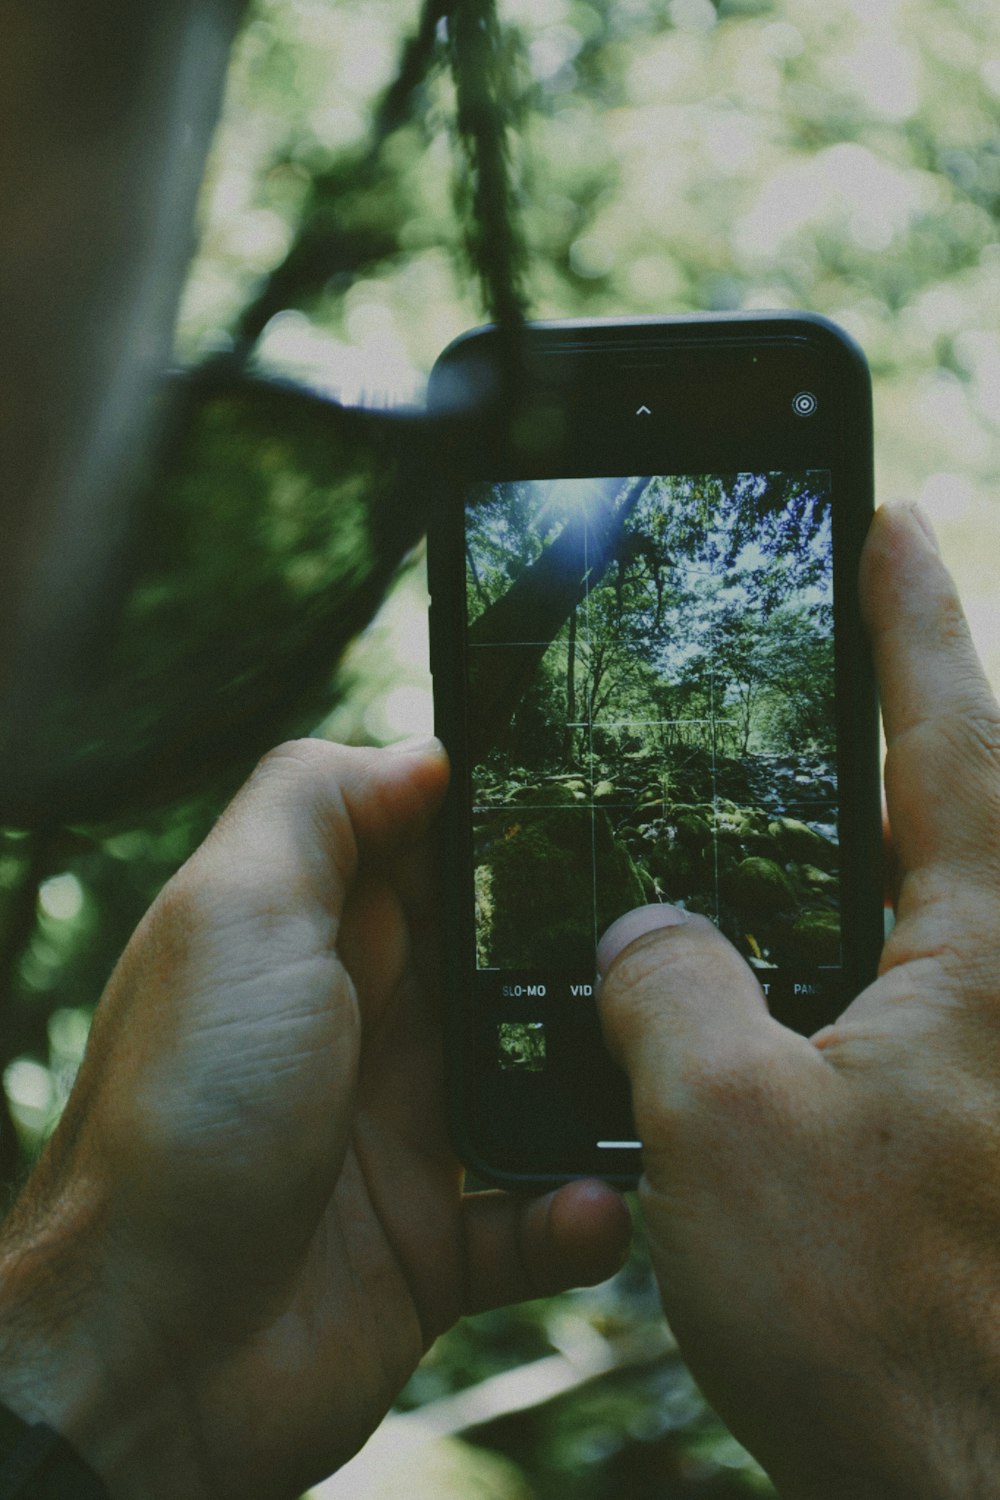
x=824, y=1212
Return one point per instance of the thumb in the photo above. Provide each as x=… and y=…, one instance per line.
x=686, y=1018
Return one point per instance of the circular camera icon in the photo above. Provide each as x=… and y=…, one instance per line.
x=804, y=404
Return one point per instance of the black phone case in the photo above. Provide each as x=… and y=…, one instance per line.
x=468, y=383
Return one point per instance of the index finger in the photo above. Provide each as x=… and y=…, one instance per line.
x=310, y=813
x=942, y=722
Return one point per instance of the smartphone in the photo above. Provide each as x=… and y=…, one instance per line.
x=652, y=679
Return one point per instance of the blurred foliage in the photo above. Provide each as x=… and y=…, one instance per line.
x=666, y=155
x=275, y=523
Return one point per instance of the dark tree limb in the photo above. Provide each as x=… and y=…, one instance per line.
x=326, y=245
x=527, y=618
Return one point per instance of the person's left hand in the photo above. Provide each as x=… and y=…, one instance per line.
x=250, y=1225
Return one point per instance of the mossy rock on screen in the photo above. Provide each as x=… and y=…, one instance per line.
x=759, y=888
x=683, y=871
x=678, y=810
x=550, y=793
x=762, y=845
x=673, y=866
x=693, y=832
x=698, y=777
x=732, y=822
x=815, y=938
x=797, y=841
x=818, y=881
x=543, y=891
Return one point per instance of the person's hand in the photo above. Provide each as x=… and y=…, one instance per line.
x=824, y=1214
x=249, y=1225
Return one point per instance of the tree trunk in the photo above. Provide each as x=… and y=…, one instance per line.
x=569, y=733
x=528, y=617
x=108, y=113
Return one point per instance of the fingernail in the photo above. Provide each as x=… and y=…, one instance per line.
x=632, y=925
x=418, y=744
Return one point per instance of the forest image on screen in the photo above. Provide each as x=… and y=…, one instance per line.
x=651, y=712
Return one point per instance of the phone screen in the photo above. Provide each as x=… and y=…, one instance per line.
x=663, y=698
x=651, y=717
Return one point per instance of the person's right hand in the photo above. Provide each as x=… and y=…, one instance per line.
x=824, y=1214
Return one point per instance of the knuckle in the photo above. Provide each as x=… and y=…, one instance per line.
x=715, y=1105
x=724, y=1078
x=949, y=764
x=977, y=731
x=958, y=742
x=302, y=757
x=969, y=971
x=304, y=775
x=948, y=946
x=737, y=1085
